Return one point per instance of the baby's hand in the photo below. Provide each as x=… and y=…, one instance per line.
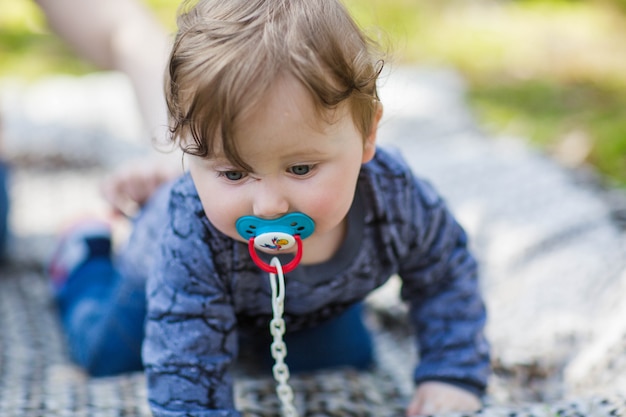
x=437, y=397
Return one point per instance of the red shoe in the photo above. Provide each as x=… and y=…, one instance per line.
x=80, y=242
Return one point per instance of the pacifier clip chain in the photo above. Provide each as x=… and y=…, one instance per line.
x=278, y=347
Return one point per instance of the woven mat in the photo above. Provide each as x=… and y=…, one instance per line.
x=38, y=380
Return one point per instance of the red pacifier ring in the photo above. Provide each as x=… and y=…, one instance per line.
x=272, y=269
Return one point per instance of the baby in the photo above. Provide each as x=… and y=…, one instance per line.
x=274, y=104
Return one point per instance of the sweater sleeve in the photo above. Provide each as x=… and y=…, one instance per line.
x=440, y=282
x=190, y=326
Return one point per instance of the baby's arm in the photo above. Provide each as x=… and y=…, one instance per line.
x=187, y=352
x=434, y=397
x=441, y=284
x=191, y=336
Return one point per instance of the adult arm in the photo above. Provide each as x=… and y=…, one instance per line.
x=121, y=35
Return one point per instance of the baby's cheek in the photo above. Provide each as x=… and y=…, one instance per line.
x=327, y=210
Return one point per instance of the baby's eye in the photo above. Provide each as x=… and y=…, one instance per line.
x=233, y=175
x=300, y=169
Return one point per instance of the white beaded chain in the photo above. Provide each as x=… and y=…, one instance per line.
x=278, y=348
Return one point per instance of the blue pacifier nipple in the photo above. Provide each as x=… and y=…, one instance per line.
x=277, y=234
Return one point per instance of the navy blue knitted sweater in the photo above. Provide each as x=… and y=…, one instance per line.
x=203, y=288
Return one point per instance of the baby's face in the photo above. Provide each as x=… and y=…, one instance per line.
x=300, y=163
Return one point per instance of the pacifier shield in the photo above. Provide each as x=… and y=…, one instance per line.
x=290, y=224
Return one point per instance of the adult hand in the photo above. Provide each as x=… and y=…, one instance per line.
x=130, y=186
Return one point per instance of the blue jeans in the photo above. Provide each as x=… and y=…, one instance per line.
x=103, y=315
x=342, y=341
x=4, y=207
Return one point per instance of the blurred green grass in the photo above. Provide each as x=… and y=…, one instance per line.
x=551, y=71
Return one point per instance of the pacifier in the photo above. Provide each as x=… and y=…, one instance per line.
x=275, y=235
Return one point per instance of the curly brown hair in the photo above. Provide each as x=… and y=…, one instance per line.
x=227, y=53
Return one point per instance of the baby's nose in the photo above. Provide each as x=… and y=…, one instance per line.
x=270, y=203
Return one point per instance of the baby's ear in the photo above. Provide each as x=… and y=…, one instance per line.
x=369, y=145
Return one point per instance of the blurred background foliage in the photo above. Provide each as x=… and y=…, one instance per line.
x=551, y=71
